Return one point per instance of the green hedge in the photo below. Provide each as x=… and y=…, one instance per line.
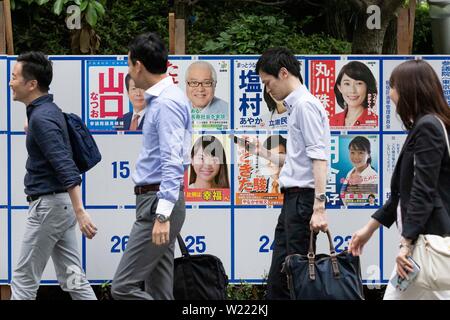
x=213, y=28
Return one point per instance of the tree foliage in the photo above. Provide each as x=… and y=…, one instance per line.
x=213, y=27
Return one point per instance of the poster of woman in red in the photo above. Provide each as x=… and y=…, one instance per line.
x=351, y=99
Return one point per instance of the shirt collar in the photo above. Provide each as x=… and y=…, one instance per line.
x=140, y=113
x=46, y=98
x=156, y=89
x=41, y=100
x=292, y=98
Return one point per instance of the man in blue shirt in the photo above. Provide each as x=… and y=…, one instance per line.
x=164, y=156
x=52, y=185
x=304, y=173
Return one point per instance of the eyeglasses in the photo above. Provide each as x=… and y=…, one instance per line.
x=205, y=84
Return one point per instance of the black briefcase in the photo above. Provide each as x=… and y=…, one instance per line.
x=322, y=276
x=198, y=277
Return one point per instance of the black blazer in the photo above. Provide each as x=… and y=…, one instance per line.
x=424, y=189
x=127, y=117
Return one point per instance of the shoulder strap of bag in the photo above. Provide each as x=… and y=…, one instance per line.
x=182, y=245
x=445, y=134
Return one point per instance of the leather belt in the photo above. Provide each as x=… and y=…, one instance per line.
x=295, y=190
x=149, y=187
x=35, y=197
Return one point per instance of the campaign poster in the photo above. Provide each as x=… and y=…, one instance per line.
x=256, y=173
x=354, y=176
x=442, y=68
x=392, y=146
x=391, y=120
x=248, y=96
x=255, y=108
x=349, y=91
x=107, y=100
x=208, y=178
x=206, y=84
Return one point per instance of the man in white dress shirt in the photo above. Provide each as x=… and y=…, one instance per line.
x=304, y=173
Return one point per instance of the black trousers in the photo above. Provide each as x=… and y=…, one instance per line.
x=292, y=235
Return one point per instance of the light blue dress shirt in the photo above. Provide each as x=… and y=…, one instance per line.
x=308, y=138
x=165, y=152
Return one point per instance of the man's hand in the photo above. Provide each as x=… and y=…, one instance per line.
x=319, y=221
x=87, y=227
x=160, y=233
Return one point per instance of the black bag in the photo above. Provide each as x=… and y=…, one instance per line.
x=324, y=277
x=198, y=277
x=85, y=151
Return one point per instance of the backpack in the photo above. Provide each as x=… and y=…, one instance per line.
x=85, y=151
x=199, y=276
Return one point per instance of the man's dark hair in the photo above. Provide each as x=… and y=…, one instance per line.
x=36, y=66
x=275, y=141
x=127, y=82
x=149, y=49
x=273, y=59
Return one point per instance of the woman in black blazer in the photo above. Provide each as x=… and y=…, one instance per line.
x=420, y=187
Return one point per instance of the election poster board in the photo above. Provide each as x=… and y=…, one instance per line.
x=233, y=196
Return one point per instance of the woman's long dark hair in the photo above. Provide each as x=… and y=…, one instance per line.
x=420, y=92
x=213, y=147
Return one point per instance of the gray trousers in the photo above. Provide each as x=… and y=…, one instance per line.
x=145, y=262
x=50, y=232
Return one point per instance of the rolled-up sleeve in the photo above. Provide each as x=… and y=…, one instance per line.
x=313, y=130
x=171, y=131
x=48, y=135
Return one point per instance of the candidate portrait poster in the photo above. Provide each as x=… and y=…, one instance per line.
x=349, y=91
x=208, y=178
x=257, y=178
x=106, y=95
x=354, y=176
x=206, y=83
x=253, y=107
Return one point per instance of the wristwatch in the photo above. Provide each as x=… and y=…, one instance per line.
x=321, y=197
x=162, y=218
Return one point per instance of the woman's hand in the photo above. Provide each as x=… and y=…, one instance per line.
x=404, y=266
x=360, y=237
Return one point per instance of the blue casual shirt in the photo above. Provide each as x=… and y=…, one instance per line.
x=167, y=134
x=308, y=138
x=50, y=166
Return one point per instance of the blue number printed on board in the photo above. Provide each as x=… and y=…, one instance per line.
x=121, y=169
x=119, y=244
x=340, y=241
x=265, y=242
x=195, y=244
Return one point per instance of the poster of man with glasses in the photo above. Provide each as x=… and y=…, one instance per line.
x=209, y=112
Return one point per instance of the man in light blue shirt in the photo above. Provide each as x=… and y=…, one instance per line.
x=164, y=156
x=304, y=173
